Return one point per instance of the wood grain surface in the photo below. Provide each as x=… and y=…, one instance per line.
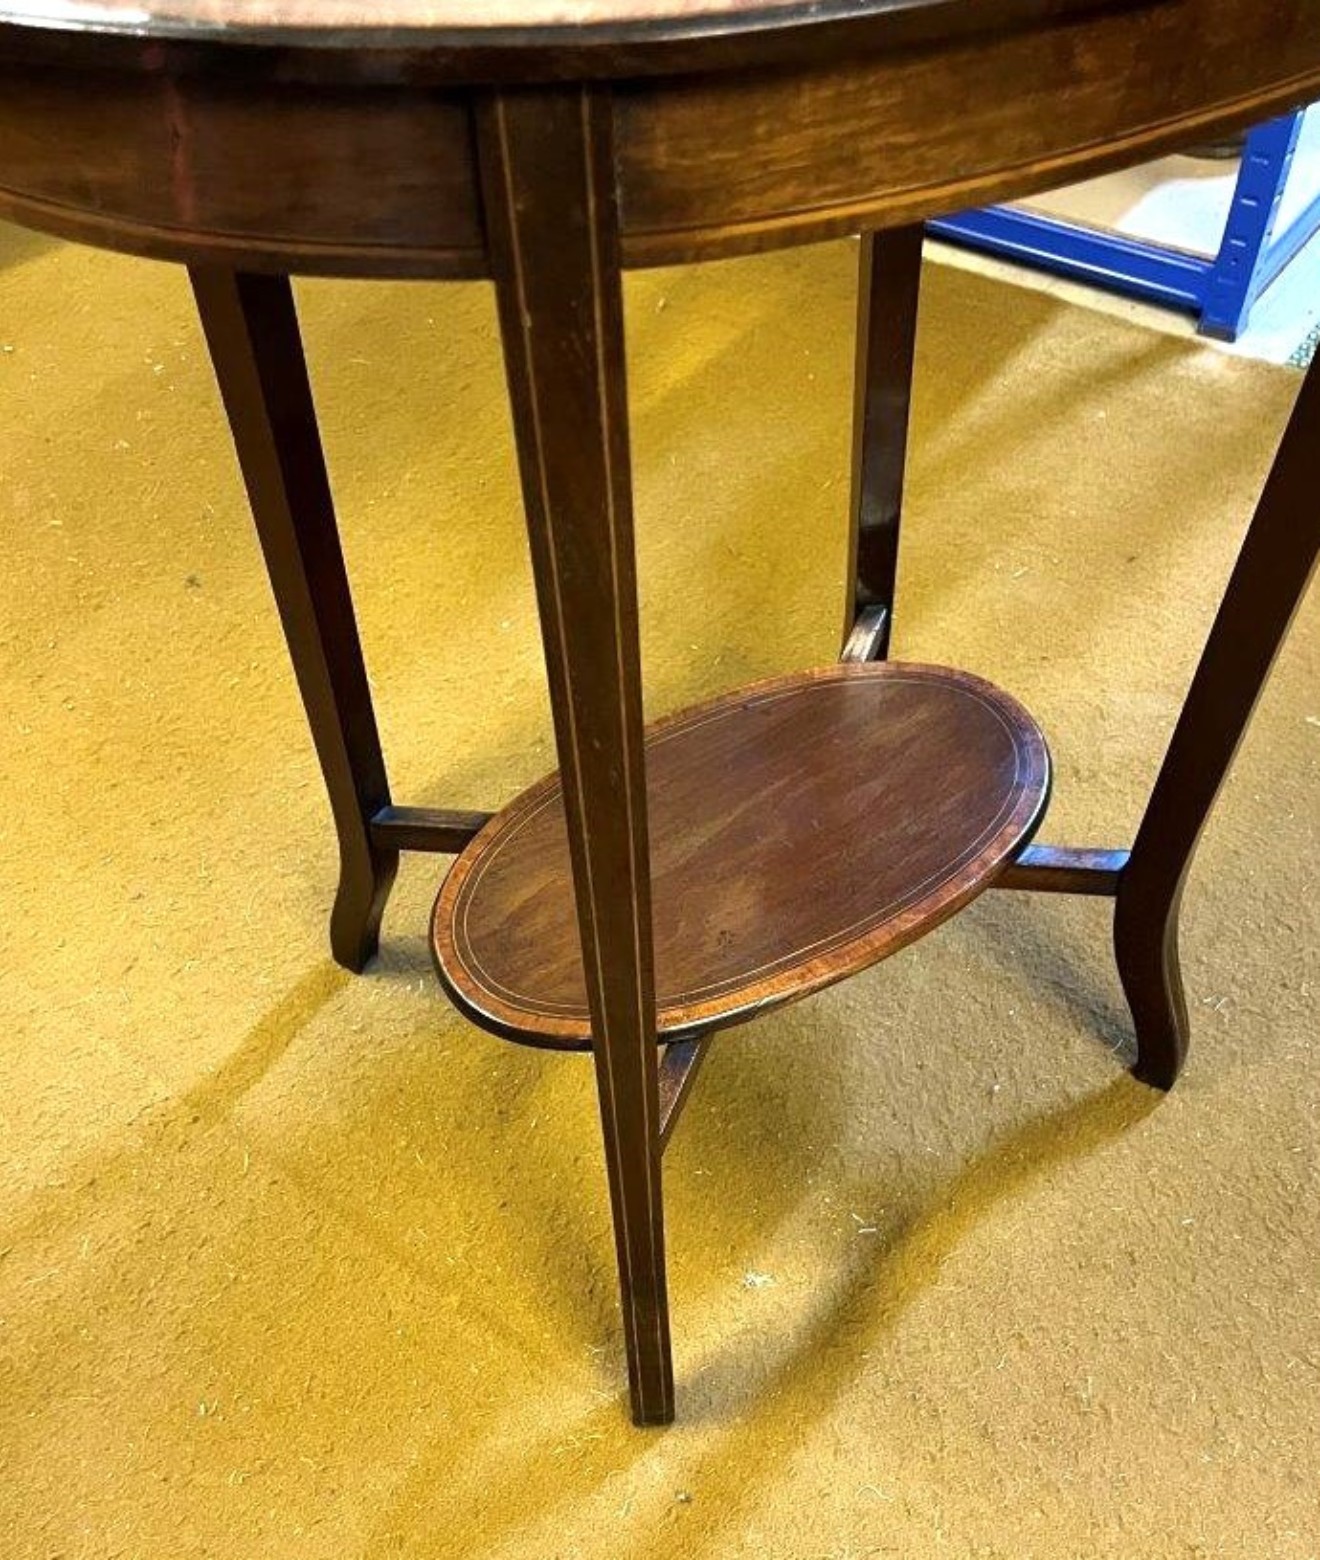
x=314, y=156
x=868, y=140
x=800, y=830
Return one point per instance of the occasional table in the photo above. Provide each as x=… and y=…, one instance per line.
x=668, y=881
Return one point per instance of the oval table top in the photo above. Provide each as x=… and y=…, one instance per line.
x=517, y=23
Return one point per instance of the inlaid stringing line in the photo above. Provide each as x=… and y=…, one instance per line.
x=464, y=948
x=645, y=1020
x=520, y=292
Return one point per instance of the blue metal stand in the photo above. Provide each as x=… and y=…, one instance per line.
x=1220, y=288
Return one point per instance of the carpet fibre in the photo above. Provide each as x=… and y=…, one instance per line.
x=295, y=1263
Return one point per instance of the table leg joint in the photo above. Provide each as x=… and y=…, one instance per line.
x=679, y=1065
x=1066, y=869
x=869, y=633
x=442, y=831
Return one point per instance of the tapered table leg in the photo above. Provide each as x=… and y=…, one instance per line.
x=547, y=181
x=252, y=331
x=888, y=286
x=1266, y=586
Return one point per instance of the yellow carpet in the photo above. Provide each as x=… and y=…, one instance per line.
x=300, y=1264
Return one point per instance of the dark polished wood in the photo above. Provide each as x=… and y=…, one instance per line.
x=867, y=140
x=252, y=332
x=801, y=830
x=277, y=176
x=405, y=139
x=1066, y=869
x=679, y=1065
x=888, y=291
x=331, y=150
x=547, y=175
x=438, y=830
x=1268, y=582
x=869, y=635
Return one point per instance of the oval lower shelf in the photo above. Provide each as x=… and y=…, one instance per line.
x=801, y=829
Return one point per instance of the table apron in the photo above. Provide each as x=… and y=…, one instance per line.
x=223, y=164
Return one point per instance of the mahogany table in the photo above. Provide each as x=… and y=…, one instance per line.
x=789, y=833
